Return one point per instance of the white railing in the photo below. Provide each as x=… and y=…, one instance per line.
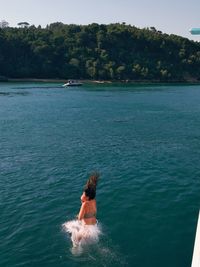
x=196, y=253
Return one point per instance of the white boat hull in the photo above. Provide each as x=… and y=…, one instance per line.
x=72, y=83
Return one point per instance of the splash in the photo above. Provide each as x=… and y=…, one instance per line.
x=89, y=247
x=82, y=234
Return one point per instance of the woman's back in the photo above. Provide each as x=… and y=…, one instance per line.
x=90, y=211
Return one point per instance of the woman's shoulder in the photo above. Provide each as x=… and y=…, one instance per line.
x=89, y=203
x=85, y=204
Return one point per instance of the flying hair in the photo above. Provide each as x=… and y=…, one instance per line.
x=93, y=180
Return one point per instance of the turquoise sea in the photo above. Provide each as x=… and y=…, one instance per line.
x=144, y=140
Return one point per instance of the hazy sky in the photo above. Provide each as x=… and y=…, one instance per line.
x=168, y=16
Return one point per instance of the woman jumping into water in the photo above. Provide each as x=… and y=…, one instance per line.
x=85, y=229
x=88, y=210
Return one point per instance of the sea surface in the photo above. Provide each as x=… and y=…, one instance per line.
x=145, y=142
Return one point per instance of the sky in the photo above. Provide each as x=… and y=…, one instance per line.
x=169, y=16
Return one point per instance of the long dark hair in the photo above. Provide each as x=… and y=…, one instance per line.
x=90, y=187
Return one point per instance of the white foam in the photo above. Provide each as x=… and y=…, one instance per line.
x=82, y=234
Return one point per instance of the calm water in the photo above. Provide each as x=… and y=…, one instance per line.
x=145, y=141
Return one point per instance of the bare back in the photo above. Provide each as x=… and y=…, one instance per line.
x=88, y=212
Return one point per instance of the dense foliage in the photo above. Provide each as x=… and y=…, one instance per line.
x=104, y=52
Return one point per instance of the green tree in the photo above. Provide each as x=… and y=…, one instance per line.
x=97, y=51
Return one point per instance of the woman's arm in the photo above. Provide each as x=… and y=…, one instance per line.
x=82, y=211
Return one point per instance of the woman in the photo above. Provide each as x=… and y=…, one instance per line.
x=85, y=229
x=88, y=210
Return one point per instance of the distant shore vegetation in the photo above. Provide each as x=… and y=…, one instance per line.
x=114, y=52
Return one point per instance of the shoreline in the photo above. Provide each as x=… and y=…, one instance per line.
x=102, y=82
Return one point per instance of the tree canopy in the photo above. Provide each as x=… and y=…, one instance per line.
x=97, y=51
x=23, y=24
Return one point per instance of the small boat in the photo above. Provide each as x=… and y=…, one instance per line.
x=72, y=83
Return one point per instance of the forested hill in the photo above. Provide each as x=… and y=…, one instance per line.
x=104, y=52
